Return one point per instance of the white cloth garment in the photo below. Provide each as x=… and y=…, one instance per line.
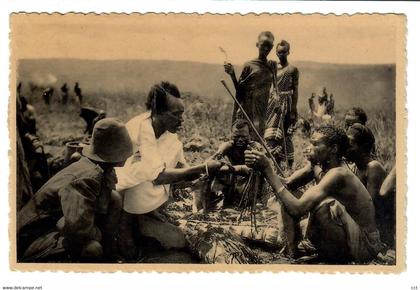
x=151, y=157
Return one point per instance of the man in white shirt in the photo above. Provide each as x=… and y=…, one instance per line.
x=157, y=163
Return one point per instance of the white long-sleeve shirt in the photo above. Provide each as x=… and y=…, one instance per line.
x=152, y=156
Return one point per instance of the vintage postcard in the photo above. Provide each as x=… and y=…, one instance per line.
x=188, y=142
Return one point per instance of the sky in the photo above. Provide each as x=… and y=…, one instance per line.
x=360, y=39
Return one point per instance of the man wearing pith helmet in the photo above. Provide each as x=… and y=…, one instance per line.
x=74, y=216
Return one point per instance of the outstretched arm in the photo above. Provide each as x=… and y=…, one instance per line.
x=294, y=206
x=300, y=177
x=375, y=177
x=389, y=183
x=221, y=151
x=174, y=175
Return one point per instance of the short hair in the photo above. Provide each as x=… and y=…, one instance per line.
x=335, y=136
x=359, y=113
x=283, y=43
x=363, y=137
x=267, y=34
x=239, y=124
x=157, y=98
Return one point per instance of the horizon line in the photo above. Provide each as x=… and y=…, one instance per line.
x=191, y=61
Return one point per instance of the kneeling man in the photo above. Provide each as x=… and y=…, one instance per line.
x=342, y=215
x=74, y=216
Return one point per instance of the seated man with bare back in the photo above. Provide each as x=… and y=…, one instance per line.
x=342, y=215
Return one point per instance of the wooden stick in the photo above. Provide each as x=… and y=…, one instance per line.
x=253, y=128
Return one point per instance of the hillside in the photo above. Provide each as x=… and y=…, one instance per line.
x=366, y=85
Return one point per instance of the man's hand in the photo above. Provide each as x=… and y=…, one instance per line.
x=229, y=69
x=242, y=170
x=257, y=159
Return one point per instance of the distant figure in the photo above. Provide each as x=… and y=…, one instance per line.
x=322, y=104
x=64, y=94
x=253, y=86
x=323, y=99
x=330, y=105
x=78, y=92
x=355, y=115
x=47, y=94
x=311, y=101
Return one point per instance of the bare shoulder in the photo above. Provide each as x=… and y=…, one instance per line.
x=335, y=177
x=338, y=172
x=376, y=166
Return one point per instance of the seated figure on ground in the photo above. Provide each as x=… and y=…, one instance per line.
x=74, y=216
x=342, y=223
x=146, y=178
x=234, y=177
x=372, y=174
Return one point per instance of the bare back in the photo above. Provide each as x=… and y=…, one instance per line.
x=342, y=184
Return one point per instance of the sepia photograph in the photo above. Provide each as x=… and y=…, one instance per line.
x=182, y=142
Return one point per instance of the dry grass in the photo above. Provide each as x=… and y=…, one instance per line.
x=207, y=119
x=202, y=117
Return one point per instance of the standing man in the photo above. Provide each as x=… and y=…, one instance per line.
x=64, y=94
x=253, y=86
x=282, y=111
x=311, y=102
x=47, y=94
x=330, y=106
x=78, y=93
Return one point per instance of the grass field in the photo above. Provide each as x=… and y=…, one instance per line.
x=204, y=117
x=210, y=120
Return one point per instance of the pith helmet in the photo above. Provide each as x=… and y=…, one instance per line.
x=110, y=142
